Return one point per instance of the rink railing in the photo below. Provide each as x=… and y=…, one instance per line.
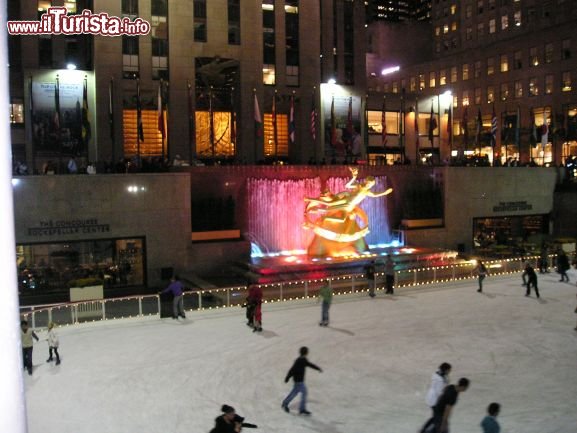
x=150, y=305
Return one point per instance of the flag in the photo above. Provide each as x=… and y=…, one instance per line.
x=533, y=133
x=257, y=118
x=139, y=128
x=314, y=119
x=160, y=111
x=57, y=105
x=432, y=124
x=111, y=108
x=518, y=128
x=544, y=130
x=465, y=125
x=86, y=128
x=493, y=128
x=292, y=120
x=333, y=124
x=384, y=123
x=479, y=127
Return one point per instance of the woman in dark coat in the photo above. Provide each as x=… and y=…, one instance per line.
x=226, y=423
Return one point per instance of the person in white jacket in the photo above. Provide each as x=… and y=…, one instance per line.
x=53, y=344
x=439, y=381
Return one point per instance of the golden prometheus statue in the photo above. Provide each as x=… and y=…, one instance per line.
x=334, y=219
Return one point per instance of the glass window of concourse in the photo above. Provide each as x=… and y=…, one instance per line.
x=50, y=267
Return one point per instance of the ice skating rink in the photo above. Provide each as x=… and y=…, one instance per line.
x=163, y=376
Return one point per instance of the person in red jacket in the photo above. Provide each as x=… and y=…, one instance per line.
x=255, y=298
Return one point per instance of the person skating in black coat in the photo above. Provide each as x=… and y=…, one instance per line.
x=297, y=372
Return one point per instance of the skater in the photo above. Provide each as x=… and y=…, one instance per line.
x=439, y=381
x=544, y=260
x=53, y=343
x=445, y=404
x=389, y=275
x=482, y=272
x=176, y=288
x=531, y=280
x=255, y=299
x=250, y=306
x=563, y=265
x=326, y=295
x=370, y=271
x=297, y=372
x=489, y=423
x=27, y=335
x=229, y=421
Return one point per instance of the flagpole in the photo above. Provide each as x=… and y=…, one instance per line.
x=417, y=130
x=313, y=123
x=191, y=131
x=439, y=123
x=138, y=121
x=111, y=118
x=161, y=118
x=31, y=123
x=211, y=124
x=233, y=121
x=275, y=125
x=401, y=129
x=57, y=116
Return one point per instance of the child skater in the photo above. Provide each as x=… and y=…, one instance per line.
x=53, y=343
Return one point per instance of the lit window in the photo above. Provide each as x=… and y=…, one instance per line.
x=445, y=29
x=421, y=81
x=432, y=79
x=533, y=57
x=490, y=94
x=455, y=101
x=152, y=143
x=533, y=87
x=281, y=147
x=465, y=71
x=480, y=30
x=454, y=74
x=517, y=18
x=566, y=81
x=413, y=84
x=490, y=66
x=492, y=26
x=268, y=75
x=477, y=69
x=442, y=77
x=504, y=22
x=465, y=98
x=504, y=63
x=221, y=131
x=504, y=91
x=437, y=31
x=17, y=113
x=549, y=84
x=453, y=9
x=518, y=89
x=453, y=26
x=70, y=6
x=477, y=96
x=395, y=87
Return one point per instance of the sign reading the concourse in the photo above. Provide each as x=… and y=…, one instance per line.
x=68, y=227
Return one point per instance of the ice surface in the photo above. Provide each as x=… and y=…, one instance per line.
x=165, y=376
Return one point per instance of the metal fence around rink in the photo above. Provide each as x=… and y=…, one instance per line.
x=149, y=305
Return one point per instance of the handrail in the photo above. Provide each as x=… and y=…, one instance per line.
x=72, y=313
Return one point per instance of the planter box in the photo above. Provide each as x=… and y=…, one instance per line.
x=85, y=310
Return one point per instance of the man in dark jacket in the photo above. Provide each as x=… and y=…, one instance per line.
x=297, y=372
x=531, y=279
x=445, y=403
